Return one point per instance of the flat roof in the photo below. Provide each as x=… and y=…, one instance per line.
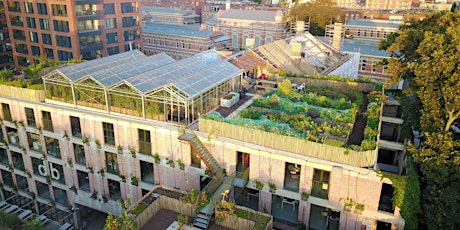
x=175, y=29
x=163, y=10
x=365, y=47
x=252, y=15
x=373, y=23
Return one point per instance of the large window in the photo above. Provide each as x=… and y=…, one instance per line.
x=114, y=190
x=46, y=38
x=320, y=184
x=61, y=26
x=111, y=161
x=57, y=173
x=109, y=8
x=59, y=10
x=145, y=146
x=22, y=183
x=6, y=112
x=147, y=172
x=4, y=157
x=109, y=134
x=7, y=178
x=79, y=151
x=110, y=23
x=52, y=147
x=31, y=22
x=113, y=50
x=63, y=41
x=64, y=55
x=30, y=116
x=44, y=24
x=112, y=37
x=76, y=127
x=129, y=21
x=43, y=190
x=128, y=7
x=41, y=8
x=47, y=122
x=60, y=196
x=83, y=181
x=29, y=7
x=38, y=167
x=18, y=161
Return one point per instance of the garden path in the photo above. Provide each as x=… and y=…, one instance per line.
x=357, y=134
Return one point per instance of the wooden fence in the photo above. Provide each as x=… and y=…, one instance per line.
x=289, y=144
x=22, y=93
x=235, y=222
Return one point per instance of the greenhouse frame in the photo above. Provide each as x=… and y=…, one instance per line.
x=150, y=87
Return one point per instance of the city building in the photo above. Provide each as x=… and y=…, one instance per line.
x=181, y=41
x=260, y=26
x=6, y=52
x=117, y=126
x=68, y=29
x=192, y=5
x=170, y=15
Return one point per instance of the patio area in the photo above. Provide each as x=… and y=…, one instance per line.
x=164, y=218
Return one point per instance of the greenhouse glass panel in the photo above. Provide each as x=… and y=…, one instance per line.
x=90, y=94
x=123, y=99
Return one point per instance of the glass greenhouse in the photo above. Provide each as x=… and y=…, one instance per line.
x=155, y=87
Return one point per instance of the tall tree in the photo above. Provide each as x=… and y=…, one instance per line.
x=319, y=12
x=426, y=53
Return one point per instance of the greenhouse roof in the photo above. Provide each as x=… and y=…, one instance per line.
x=192, y=75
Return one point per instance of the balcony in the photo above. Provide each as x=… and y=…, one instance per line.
x=90, y=46
x=86, y=13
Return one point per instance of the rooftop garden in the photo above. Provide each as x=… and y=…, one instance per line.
x=317, y=113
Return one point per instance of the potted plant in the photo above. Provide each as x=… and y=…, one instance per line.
x=94, y=194
x=259, y=185
x=122, y=177
x=85, y=140
x=132, y=151
x=69, y=161
x=181, y=164
x=272, y=187
x=98, y=144
x=170, y=162
x=359, y=208
x=90, y=169
x=304, y=196
x=101, y=172
x=348, y=204
x=32, y=194
x=207, y=172
x=134, y=181
x=27, y=172
x=120, y=149
x=105, y=198
x=157, y=158
x=65, y=136
x=73, y=188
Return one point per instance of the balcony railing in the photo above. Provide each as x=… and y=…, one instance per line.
x=86, y=13
x=320, y=189
x=85, y=45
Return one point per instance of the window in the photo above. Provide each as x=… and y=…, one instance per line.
x=87, y=25
x=31, y=22
x=63, y=41
x=4, y=157
x=29, y=7
x=128, y=7
x=52, y=147
x=109, y=134
x=7, y=178
x=320, y=184
x=6, y=112
x=113, y=50
x=44, y=24
x=114, y=190
x=41, y=8
x=64, y=55
x=145, y=146
x=35, y=50
x=59, y=10
x=147, y=172
x=112, y=38
x=33, y=36
x=130, y=21
x=30, y=116
x=60, y=196
x=386, y=198
x=13, y=6
x=109, y=8
x=83, y=180
x=18, y=161
x=268, y=40
x=38, y=167
x=43, y=190
x=111, y=163
x=110, y=23
x=75, y=126
x=131, y=35
x=22, y=48
x=22, y=183
x=34, y=142
x=47, y=123
x=50, y=54
x=61, y=26
x=79, y=152
x=57, y=173
x=86, y=9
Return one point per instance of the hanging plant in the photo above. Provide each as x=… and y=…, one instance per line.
x=134, y=181
x=157, y=158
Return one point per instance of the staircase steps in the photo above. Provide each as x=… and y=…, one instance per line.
x=202, y=221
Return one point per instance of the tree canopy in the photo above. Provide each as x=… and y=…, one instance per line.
x=319, y=12
x=426, y=53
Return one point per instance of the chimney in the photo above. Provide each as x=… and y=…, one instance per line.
x=227, y=5
x=336, y=38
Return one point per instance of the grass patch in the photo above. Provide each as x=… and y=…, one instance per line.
x=139, y=209
x=260, y=220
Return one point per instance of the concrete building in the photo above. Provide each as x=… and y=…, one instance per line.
x=6, y=52
x=169, y=15
x=118, y=126
x=71, y=29
x=260, y=26
x=181, y=41
x=192, y=5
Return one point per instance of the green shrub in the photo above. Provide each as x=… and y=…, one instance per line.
x=9, y=221
x=139, y=209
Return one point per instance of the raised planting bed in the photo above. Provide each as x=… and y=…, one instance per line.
x=229, y=100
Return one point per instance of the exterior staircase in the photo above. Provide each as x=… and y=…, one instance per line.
x=218, y=185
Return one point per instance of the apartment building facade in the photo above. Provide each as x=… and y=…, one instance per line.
x=261, y=26
x=63, y=149
x=6, y=53
x=66, y=30
x=181, y=41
